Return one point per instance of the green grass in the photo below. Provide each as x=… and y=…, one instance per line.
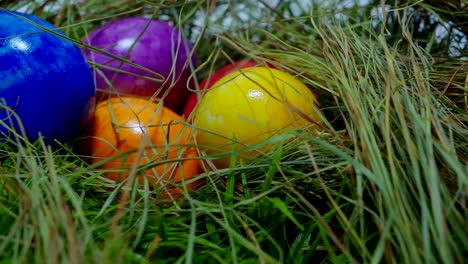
x=385, y=180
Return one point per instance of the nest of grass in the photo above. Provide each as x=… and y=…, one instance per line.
x=384, y=181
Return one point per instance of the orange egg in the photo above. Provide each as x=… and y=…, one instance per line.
x=126, y=132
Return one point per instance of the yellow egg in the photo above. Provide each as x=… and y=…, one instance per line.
x=249, y=106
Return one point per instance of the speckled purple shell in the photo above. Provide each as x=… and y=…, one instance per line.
x=153, y=44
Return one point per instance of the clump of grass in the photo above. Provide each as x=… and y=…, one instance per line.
x=384, y=181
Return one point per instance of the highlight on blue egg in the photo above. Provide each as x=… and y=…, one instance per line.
x=45, y=81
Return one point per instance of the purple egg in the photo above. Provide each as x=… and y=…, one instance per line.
x=152, y=44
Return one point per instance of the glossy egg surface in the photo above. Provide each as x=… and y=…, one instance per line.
x=161, y=56
x=127, y=132
x=212, y=79
x=44, y=79
x=249, y=106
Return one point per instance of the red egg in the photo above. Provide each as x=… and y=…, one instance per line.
x=160, y=51
x=212, y=79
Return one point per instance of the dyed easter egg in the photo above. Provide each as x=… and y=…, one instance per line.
x=128, y=131
x=212, y=79
x=249, y=106
x=45, y=81
x=160, y=55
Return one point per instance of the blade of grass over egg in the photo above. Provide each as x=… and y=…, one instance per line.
x=231, y=177
x=273, y=169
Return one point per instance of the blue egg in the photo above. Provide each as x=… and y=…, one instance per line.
x=44, y=79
